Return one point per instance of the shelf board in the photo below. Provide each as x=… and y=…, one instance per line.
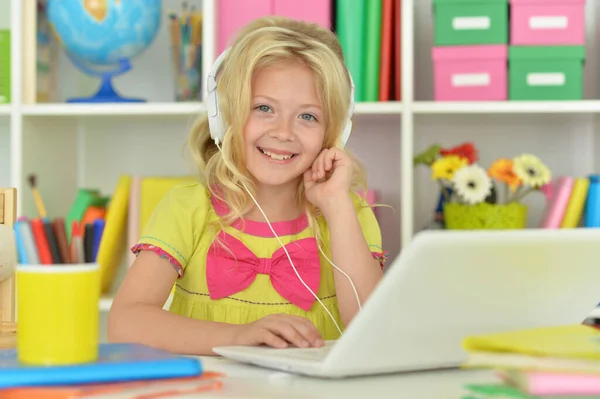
x=378, y=108
x=114, y=109
x=165, y=109
x=507, y=107
x=4, y=109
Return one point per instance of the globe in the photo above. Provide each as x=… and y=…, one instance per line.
x=102, y=36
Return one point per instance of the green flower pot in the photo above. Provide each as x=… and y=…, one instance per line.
x=485, y=216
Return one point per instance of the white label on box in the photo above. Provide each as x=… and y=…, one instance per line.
x=554, y=22
x=471, y=79
x=464, y=23
x=546, y=79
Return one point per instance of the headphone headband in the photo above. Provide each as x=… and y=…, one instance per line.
x=215, y=119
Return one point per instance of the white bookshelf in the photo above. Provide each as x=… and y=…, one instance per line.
x=90, y=145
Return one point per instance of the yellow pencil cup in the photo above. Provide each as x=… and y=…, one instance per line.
x=57, y=313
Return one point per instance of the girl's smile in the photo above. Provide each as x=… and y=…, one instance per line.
x=277, y=156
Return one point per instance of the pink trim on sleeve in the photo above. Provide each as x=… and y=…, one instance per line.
x=381, y=257
x=160, y=252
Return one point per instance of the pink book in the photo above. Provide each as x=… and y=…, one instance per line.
x=558, y=194
x=232, y=15
x=315, y=11
x=539, y=383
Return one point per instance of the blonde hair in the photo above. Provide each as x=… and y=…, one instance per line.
x=263, y=42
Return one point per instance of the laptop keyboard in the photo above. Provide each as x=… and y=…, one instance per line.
x=305, y=353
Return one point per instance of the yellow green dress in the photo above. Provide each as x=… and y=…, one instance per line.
x=243, y=280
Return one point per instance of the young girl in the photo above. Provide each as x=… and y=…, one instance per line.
x=284, y=95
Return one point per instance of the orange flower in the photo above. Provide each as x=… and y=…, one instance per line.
x=502, y=170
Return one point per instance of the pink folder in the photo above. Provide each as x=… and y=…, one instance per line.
x=233, y=15
x=539, y=383
x=315, y=11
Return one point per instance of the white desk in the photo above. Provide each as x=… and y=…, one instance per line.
x=244, y=381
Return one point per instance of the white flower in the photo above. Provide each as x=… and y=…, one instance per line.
x=531, y=170
x=472, y=184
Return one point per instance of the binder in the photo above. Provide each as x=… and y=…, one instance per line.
x=235, y=14
x=315, y=11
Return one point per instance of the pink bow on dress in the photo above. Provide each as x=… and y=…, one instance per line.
x=232, y=269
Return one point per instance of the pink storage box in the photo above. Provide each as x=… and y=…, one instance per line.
x=547, y=22
x=470, y=73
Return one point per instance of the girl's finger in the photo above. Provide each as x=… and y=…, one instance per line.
x=329, y=160
x=288, y=331
x=316, y=166
x=323, y=164
x=271, y=339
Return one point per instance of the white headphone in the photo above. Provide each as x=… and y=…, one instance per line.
x=215, y=118
x=217, y=132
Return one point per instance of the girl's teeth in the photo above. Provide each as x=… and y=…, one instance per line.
x=278, y=157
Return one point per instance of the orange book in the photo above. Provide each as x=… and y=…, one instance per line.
x=387, y=32
x=140, y=389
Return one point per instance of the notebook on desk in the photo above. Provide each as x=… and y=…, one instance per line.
x=446, y=286
x=116, y=362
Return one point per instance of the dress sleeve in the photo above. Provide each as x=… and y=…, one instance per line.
x=175, y=226
x=371, y=230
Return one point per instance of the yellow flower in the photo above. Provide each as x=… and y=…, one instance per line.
x=503, y=171
x=531, y=170
x=444, y=168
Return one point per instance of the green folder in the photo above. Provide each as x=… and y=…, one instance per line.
x=350, y=29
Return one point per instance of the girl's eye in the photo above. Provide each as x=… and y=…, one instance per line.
x=263, y=108
x=308, y=117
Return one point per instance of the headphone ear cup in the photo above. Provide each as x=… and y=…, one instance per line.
x=346, y=132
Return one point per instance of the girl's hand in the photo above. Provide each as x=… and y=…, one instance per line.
x=279, y=331
x=329, y=178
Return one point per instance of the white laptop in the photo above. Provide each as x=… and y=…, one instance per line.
x=447, y=285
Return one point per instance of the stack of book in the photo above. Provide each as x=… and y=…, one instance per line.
x=126, y=371
x=553, y=362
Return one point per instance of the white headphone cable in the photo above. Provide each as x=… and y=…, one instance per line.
x=292, y=263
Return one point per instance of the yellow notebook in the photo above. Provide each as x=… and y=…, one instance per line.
x=112, y=245
x=571, y=341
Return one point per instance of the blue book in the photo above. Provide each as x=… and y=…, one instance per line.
x=116, y=363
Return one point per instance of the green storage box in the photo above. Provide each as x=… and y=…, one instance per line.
x=469, y=22
x=545, y=72
x=4, y=66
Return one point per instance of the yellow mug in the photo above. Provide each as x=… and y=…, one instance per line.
x=57, y=313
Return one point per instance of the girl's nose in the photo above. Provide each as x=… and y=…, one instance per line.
x=283, y=130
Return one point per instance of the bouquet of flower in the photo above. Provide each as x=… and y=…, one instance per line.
x=463, y=181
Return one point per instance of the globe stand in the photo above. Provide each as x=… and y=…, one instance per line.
x=106, y=93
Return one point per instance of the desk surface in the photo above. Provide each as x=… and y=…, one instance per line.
x=245, y=381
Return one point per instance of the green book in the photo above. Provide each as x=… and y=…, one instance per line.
x=85, y=198
x=350, y=29
x=372, y=57
x=4, y=66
